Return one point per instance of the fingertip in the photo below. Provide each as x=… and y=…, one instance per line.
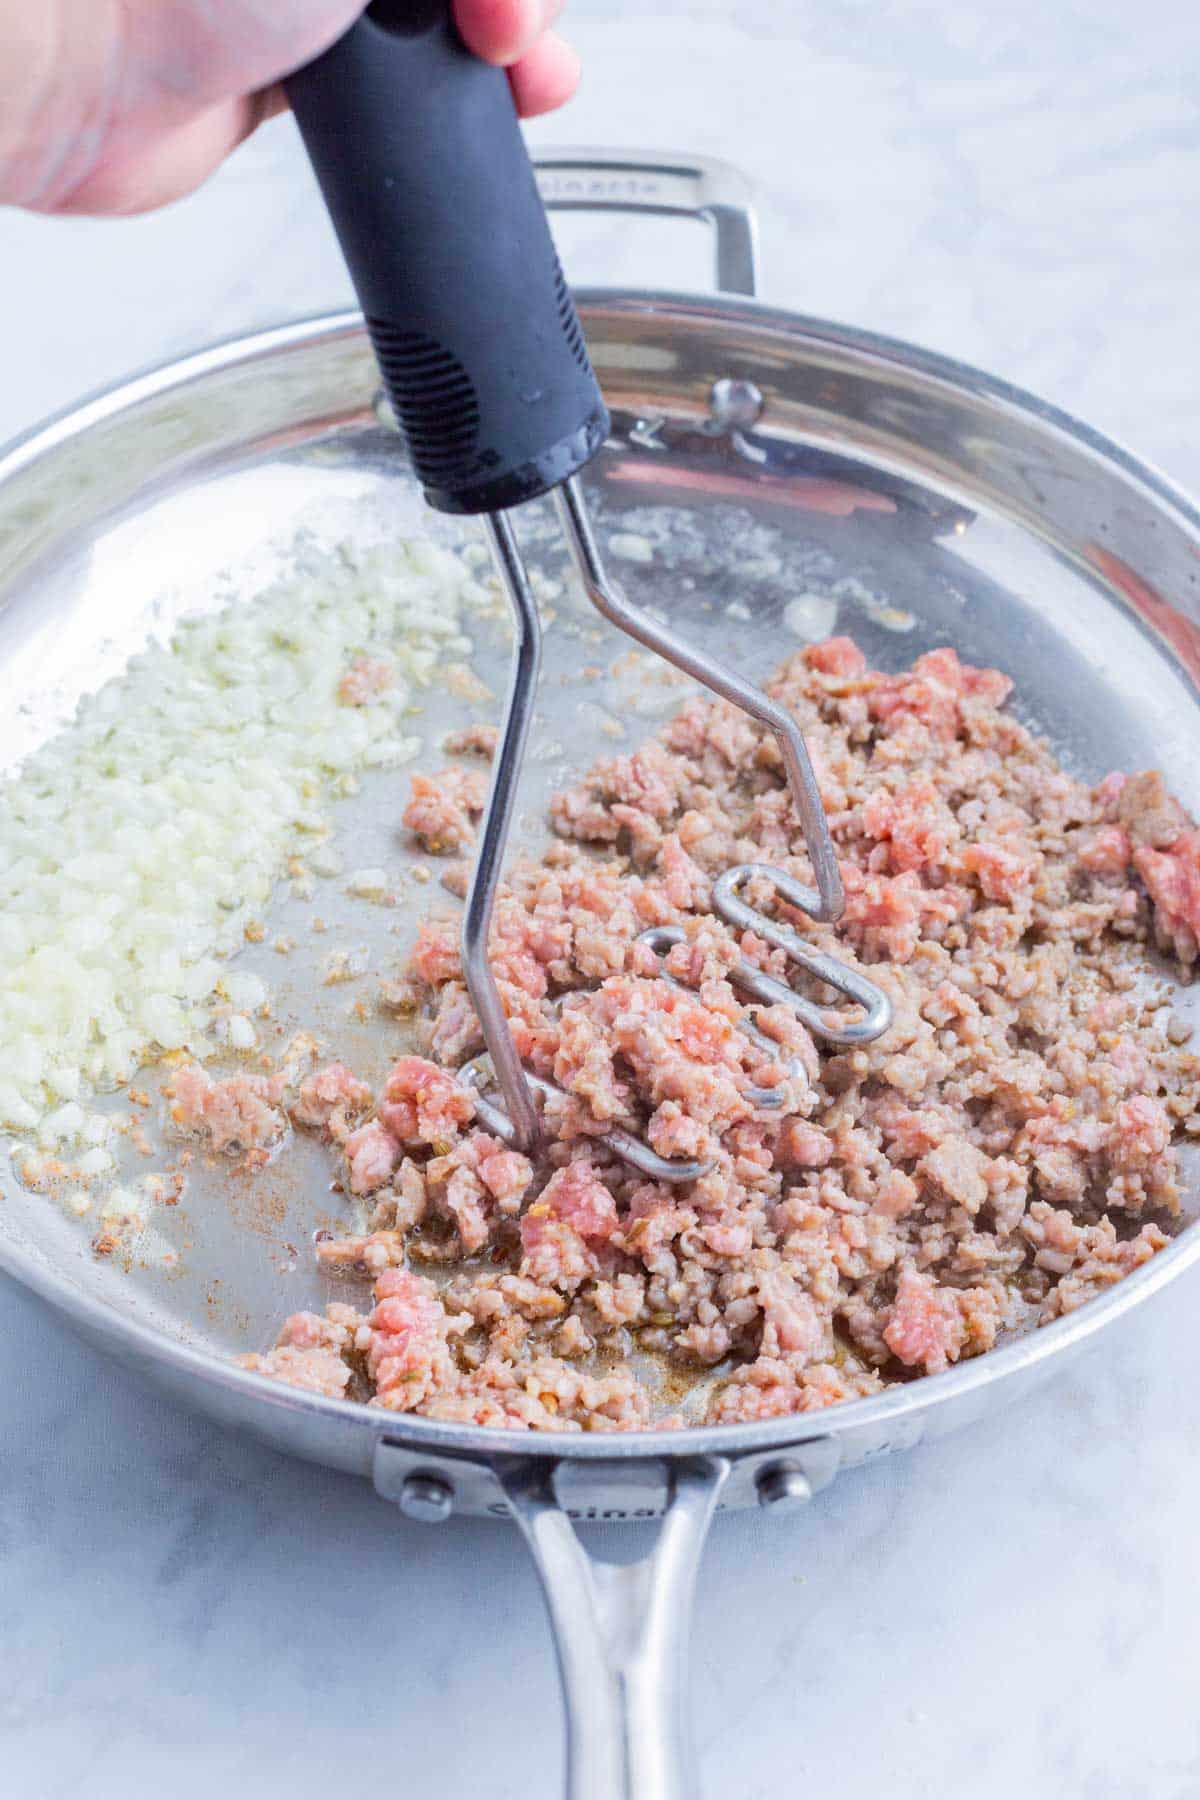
x=500, y=31
x=546, y=76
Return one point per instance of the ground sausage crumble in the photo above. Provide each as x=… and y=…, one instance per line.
x=1008, y=1149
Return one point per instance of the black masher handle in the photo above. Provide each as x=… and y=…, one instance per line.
x=424, y=170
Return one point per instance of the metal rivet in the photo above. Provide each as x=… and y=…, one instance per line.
x=427, y=1498
x=782, y=1484
x=644, y=434
x=735, y=405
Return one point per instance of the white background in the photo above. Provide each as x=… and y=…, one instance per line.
x=1012, y=1612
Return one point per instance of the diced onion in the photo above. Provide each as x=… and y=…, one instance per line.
x=137, y=844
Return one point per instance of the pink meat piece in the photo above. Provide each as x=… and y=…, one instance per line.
x=309, y=1353
x=791, y=1323
x=578, y=1197
x=1107, y=1013
x=836, y=656
x=1141, y=1133
x=933, y=692
x=649, y=782
x=405, y=1340
x=771, y=1388
x=444, y=806
x=910, y=1133
x=368, y=678
x=681, y=882
x=470, y=1207
x=1084, y=1259
x=1002, y=873
x=423, y=1104
x=925, y=1328
x=1152, y=816
x=1129, y=1061
x=369, y=1254
x=646, y=780
x=436, y=956
x=373, y=1155
x=553, y=1253
x=956, y=1170
x=704, y=726
x=241, y=1112
x=455, y=1032
x=327, y=1099
x=654, y=1219
x=505, y=1173
x=1172, y=879
x=886, y=908
x=456, y=878
x=677, y=1046
x=896, y=1194
x=804, y=1146
x=727, y=1238
x=476, y=1183
x=317, y=1371
x=1064, y=1153
x=1107, y=851
x=915, y=823
x=674, y=1135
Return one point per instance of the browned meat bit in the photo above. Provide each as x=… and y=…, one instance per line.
x=473, y=740
x=444, y=807
x=239, y=1113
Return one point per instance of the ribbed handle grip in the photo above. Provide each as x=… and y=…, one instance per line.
x=423, y=167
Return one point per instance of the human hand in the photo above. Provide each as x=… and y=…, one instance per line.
x=117, y=106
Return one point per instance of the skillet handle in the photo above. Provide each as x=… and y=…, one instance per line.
x=659, y=181
x=621, y=1634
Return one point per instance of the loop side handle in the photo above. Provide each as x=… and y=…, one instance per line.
x=621, y=1635
x=656, y=181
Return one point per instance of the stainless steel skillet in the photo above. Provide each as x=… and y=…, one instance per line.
x=782, y=459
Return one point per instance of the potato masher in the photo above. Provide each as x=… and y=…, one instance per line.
x=424, y=170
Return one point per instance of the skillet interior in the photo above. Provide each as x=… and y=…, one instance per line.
x=924, y=503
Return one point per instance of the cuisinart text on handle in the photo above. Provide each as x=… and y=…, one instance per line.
x=556, y=186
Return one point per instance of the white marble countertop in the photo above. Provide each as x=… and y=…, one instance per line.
x=1010, y=1612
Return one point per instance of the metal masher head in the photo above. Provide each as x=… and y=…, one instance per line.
x=518, y=1121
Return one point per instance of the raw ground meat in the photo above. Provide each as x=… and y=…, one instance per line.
x=1008, y=1149
x=444, y=807
x=329, y=1098
x=241, y=1113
